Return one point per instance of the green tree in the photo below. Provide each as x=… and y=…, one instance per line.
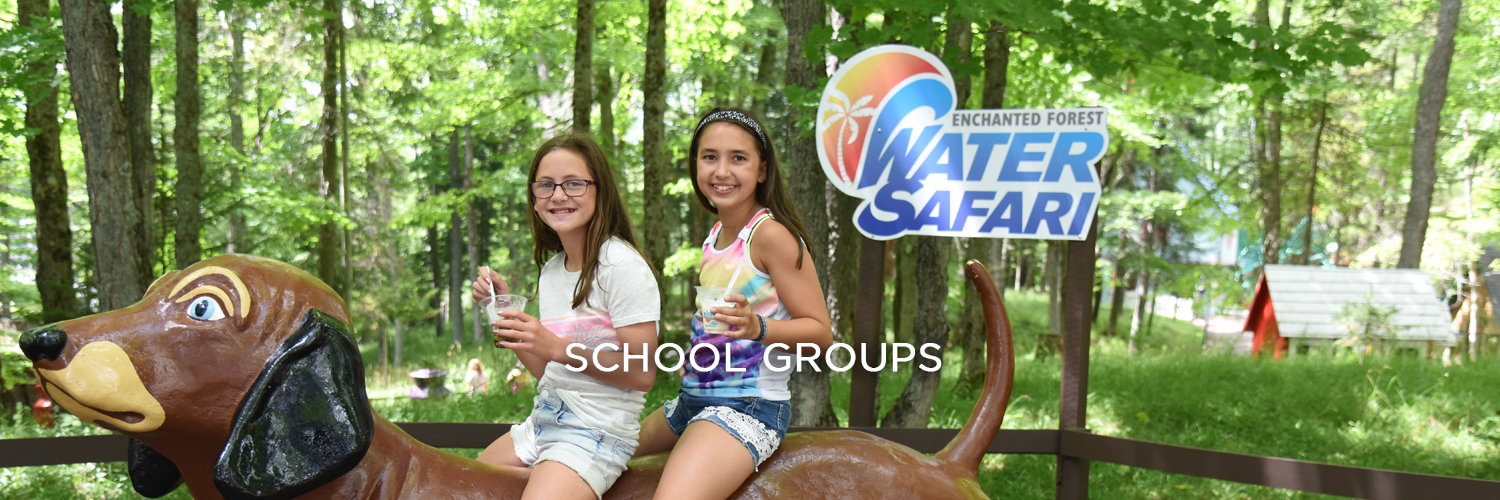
x=1430, y=102
x=187, y=104
x=328, y=184
x=49, y=182
x=135, y=20
x=652, y=143
x=93, y=65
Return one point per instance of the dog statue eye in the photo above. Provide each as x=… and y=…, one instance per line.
x=205, y=308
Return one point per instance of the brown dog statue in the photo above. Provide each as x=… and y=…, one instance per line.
x=237, y=377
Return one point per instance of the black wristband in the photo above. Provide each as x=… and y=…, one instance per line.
x=762, y=328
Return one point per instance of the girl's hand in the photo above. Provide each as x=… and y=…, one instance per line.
x=481, y=288
x=523, y=333
x=741, y=320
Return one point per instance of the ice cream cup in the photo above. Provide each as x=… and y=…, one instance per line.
x=494, y=304
x=712, y=296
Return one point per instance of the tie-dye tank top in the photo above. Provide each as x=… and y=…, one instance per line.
x=726, y=380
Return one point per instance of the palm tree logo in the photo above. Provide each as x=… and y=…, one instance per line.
x=844, y=113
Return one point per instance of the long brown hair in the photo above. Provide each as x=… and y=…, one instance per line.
x=770, y=193
x=610, y=218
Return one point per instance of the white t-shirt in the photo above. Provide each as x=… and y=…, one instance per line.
x=624, y=294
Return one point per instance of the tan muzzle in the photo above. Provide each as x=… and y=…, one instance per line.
x=100, y=385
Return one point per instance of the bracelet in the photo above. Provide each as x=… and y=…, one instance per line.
x=762, y=328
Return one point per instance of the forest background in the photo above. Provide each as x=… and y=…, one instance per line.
x=382, y=145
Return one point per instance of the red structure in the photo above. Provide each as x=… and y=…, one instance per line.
x=1262, y=321
x=41, y=410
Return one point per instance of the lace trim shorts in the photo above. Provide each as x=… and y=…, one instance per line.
x=758, y=423
x=553, y=432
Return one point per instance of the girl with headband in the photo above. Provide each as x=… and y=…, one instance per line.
x=733, y=411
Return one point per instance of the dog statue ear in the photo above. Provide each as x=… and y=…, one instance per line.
x=304, y=422
x=151, y=473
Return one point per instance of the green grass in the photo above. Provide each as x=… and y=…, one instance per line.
x=1392, y=413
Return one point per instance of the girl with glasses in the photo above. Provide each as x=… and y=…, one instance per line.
x=595, y=289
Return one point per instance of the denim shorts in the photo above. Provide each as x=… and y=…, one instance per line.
x=553, y=432
x=758, y=423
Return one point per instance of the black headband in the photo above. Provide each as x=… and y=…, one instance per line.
x=740, y=118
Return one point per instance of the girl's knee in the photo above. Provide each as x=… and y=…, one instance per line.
x=501, y=452
x=656, y=436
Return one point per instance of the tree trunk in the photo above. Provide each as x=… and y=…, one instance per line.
x=583, y=67
x=135, y=19
x=1477, y=296
x=807, y=184
x=843, y=236
x=654, y=134
x=1430, y=100
x=384, y=349
x=398, y=337
x=94, y=76
x=811, y=392
x=455, y=246
x=5, y=244
x=914, y=407
x=1117, y=296
x=434, y=265
x=971, y=332
x=844, y=277
x=958, y=43
x=1476, y=293
x=604, y=94
x=394, y=260
x=1138, y=317
x=236, y=236
x=1098, y=294
x=472, y=216
x=765, y=73
x=1000, y=253
x=1391, y=84
x=163, y=208
x=49, y=182
x=1312, y=185
x=348, y=278
x=328, y=232
x=1269, y=181
x=903, y=300
x=1143, y=277
x=1052, y=278
x=185, y=139
x=1020, y=264
x=1271, y=185
x=996, y=65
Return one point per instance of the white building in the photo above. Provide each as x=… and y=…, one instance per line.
x=1296, y=306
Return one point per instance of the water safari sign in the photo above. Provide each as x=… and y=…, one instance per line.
x=888, y=132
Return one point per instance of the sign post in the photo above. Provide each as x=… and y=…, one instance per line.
x=890, y=133
x=863, y=384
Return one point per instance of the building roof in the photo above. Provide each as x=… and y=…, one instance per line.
x=1307, y=299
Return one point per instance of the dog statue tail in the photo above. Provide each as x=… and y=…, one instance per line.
x=969, y=446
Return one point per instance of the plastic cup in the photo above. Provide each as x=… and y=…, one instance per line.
x=494, y=304
x=712, y=296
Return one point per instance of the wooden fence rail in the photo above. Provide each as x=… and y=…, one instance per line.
x=1313, y=477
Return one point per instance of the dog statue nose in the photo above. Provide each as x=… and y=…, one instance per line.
x=43, y=343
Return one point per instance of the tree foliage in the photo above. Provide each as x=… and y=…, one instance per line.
x=1182, y=79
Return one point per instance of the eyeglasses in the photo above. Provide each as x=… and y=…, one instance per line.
x=544, y=189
